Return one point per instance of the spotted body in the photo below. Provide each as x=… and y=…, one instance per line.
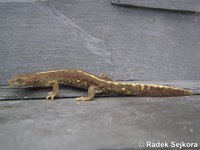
x=84, y=80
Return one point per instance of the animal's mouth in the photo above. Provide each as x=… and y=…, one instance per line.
x=11, y=82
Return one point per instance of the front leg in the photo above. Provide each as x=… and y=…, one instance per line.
x=90, y=96
x=52, y=94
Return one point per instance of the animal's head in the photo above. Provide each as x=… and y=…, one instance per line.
x=21, y=80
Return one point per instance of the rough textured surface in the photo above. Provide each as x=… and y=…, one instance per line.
x=103, y=123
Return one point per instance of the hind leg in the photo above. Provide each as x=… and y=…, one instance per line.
x=91, y=94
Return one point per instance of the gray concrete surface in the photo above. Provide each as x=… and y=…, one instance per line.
x=100, y=124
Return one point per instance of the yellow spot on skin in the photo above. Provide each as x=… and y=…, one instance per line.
x=142, y=86
x=160, y=86
x=50, y=71
x=115, y=83
x=128, y=92
x=123, y=89
x=88, y=74
x=124, y=83
x=154, y=85
x=133, y=84
x=93, y=76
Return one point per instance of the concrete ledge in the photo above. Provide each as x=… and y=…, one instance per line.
x=182, y=5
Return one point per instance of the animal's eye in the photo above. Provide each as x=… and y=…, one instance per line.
x=19, y=80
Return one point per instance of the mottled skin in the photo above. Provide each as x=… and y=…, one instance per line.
x=83, y=80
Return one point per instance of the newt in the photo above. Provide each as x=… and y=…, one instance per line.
x=93, y=84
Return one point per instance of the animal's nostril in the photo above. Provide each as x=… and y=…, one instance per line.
x=10, y=82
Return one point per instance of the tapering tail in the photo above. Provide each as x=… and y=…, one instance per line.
x=153, y=90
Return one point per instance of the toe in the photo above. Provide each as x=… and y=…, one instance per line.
x=78, y=98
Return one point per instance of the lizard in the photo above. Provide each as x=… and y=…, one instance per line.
x=93, y=84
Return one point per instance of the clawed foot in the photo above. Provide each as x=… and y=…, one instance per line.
x=83, y=99
x=50, y=95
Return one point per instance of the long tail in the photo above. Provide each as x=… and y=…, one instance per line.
x=150, y=90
